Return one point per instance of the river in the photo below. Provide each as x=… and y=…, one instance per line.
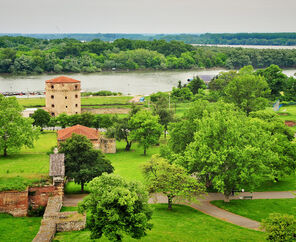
x=128, y=83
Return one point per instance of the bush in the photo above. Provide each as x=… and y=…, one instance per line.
x=280, y=227
x=36, y=212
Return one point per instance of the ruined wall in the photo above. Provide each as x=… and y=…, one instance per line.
x=108, y=145
x=14, y=202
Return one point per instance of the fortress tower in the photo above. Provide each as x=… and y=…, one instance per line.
x=62, y=95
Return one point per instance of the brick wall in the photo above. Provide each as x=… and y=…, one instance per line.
x=14, y=202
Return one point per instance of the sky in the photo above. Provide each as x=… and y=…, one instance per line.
x=149, y=16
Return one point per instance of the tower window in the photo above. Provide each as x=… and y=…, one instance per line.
x=76, y=105
x=76, y=112
x=66, y=106
x=52, y=86
x=76, y=96
x=66, y=97
x=52, y=96
x=52, y=114
x=52, y=105
x=76, y=86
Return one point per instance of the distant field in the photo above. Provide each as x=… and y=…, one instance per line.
x=98, y=100
x=181, y=224
x=260, y=208
x=29, y=164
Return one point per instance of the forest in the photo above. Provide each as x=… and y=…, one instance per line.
x=288, y=39
x=26, y=55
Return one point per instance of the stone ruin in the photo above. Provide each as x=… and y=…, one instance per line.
x=53, y=220
x=107, y=145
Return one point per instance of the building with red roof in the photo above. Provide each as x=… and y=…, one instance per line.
x=62, y=95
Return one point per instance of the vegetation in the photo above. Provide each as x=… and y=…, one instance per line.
x=118, y=208
x=280, y=227
x=82, y=161
x=24, y=55
x=181, y=224
x=171, y=180
x=15, y=131
x=41, y=118
x=18, y=229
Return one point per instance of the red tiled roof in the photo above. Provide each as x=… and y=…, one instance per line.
x=66, y=133
x=62, y=79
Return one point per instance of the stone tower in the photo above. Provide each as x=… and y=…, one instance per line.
x=62, y=95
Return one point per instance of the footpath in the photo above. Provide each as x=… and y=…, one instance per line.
x=206, y=207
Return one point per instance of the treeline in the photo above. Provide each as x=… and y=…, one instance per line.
x=288, y=39
x=23, y=55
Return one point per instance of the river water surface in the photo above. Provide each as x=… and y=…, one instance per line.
x=143, y=83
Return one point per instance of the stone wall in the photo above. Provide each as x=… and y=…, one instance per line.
x=107, y=145
x=14, y=202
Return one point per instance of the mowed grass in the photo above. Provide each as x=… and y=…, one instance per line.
x=98, y=100
x=126, y=164
x=287, y=183
x=181, y=224
x=30, y=164
x=18, y=229
x=260, y=208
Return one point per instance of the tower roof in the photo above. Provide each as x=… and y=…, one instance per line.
x=66, y=133
x=62, y=79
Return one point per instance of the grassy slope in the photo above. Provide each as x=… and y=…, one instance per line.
x=31, y=164
x=181, y=224
x=260, y=208
x=18, y=229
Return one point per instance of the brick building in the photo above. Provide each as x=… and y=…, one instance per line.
x=62, y=95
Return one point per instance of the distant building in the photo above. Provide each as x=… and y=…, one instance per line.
x=62, y=95
x=106, y=145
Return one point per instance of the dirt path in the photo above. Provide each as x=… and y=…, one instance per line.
x=206, y=207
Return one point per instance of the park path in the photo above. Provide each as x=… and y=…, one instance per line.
x=206, y=207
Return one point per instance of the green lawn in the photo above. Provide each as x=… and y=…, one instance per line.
x=260, y=208
x=18, y=229
x=181, y=224
x=126, y=163
x=98, y=100
x=287, y=183
x=29, y=164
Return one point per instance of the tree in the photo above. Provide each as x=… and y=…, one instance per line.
x=229, y=152
x=41, y=118
x=171, y=180
x=290, y=89
x=82, y=162
x=145, y=129
x=275, y=78
x=180, y=95
x=280, y=227
x=247, y=91
x=160, y=108
x=15, y=130
x=196, y=84
x=117, y=207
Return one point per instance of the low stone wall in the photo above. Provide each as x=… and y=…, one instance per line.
x=14, y=202
x=108, y=145
x=71, y=221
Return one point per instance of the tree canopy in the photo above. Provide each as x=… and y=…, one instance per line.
x=118, y=208
x=82, y=162
x=15, y=130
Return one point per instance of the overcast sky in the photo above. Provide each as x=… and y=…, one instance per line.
x=149, y=16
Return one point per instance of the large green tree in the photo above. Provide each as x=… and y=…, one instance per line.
x=82, y=162
x=171, y=180
x=145, y=129
x=229, y=152
x=118, y=207
x=15, y=130
x=41, y=118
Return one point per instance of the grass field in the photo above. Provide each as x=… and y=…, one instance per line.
x=181, y=224
x=259, y=209
x=126, y=163
x=30, y=164
x=18, y=229
x=98, y=100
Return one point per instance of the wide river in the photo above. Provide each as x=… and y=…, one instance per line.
x=128, y=83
